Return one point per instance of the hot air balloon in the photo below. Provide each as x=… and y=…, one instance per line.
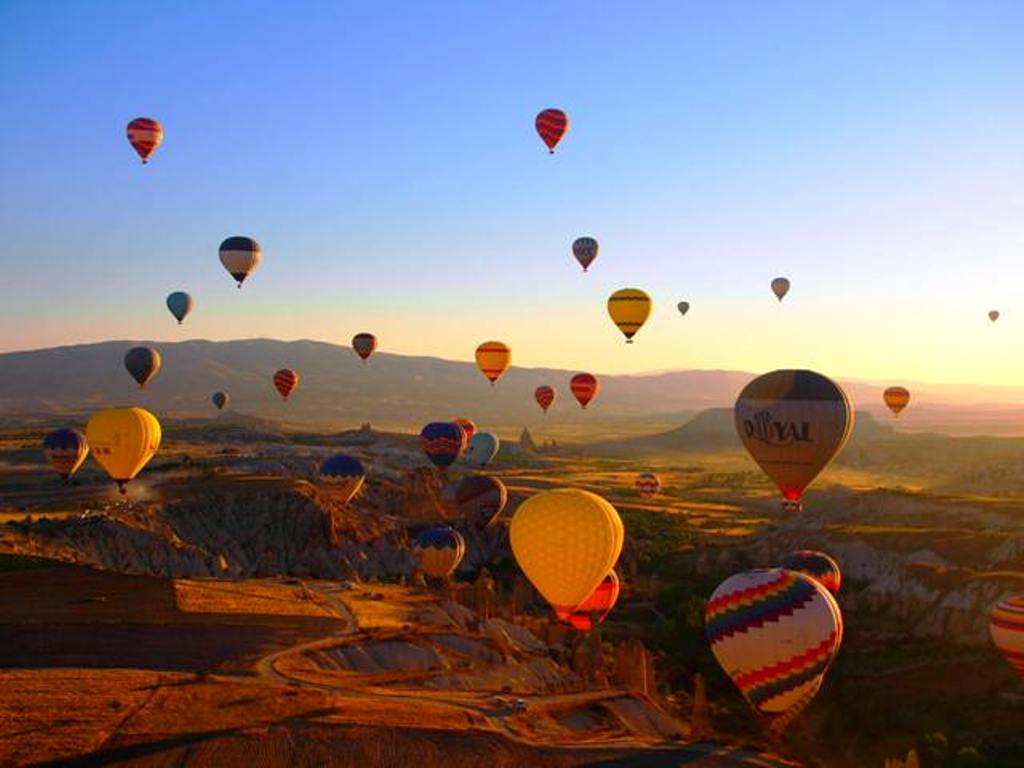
x=440, y=550
x=482, y=449
x=65, y=449
x=142, y=363
x=683, y=307
x=285, y=382
x=145, y=135
x=585, y=387
x=467, y=426
x=180, y=304
x=775, y=633
x=364, y=344
x=780, y=287
x=493, y=359
x=220, y=399
x=629, y=309
x=599, y=603
x=240, y=257
x=566, y=541
x=819, y=566
x=481, y=498
x=1006, y=626
x=585, y=250
x=896, y=398
x=344, y=475
x=793, y=423
x=443, y=442
x=552, y=125
x=993, y=315
x=647, y=485
x=545, y=396
x=123, y=440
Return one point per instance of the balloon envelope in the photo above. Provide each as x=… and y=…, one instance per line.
x=142, y=363
x=566, y=541
x=364, y=344
x=343, y=475
x=629, y=309
x=775, y=633
x=482, y=449
x=780, y=287
x=993, y=315
x=440, y=550
x=220, y=399
x=683, y=307
x=585, y=250
x=468, y=426
x=819, y=566
x=65, y=449
x=443, y=442
x=599, y=602
x=545, y=396
x=896, y=398
x=585, y=387
x=552, y=125
x=647, y=485
x=145, y=134
x=481, y=498
x=493, y=359
x=1006, y=626
x=793, y=423
x=180, y=304
x=285, y=382
x=240, y=257
x=123, y=440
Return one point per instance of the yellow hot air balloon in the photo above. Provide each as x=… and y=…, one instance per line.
x=123, y=440
x=896, y=399
x=566, y=541
x=629, y=309
x=493, y=358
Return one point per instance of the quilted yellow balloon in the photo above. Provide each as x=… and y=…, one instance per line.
x=123, y=440
x=566, y=541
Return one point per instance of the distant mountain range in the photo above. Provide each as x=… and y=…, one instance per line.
x=338, y=390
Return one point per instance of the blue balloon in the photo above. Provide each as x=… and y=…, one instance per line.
x=440, y=537
x=342, y=465
x=482, y=448
x=180, y=304
x=443, y=442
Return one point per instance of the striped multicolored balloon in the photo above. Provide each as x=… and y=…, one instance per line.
x=443, y=442
x=145, y=135
x=552, y=125
x=545, y=396
x=240, y=256
x=775, y=633
x=493, y=358
x=285, y=382
x=817, y=565
x=647, y=485
x=585, y=387
x=585, y=250
x=1007, y=629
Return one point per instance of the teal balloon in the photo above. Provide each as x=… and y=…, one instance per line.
x=482, y=448
x=180, y=304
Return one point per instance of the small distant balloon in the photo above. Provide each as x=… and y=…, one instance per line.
x=180, y=304
x=584, y=387
x=629, y=309
x=482, y=449
x=896, y=399
x=552, y=125
x=220, y=399
x=683, y=307
x=285, y=382
x=343, y=475
x=364, y=344
x=440, y=550
x=65, y=449
x=493, y=358
x=993, y=315
x=240, y=257
x=648, y=485
x=780, y=287
x=145, y=134
x=545, y=396
x=142, y=363
x=468, y=426
x=585, y=250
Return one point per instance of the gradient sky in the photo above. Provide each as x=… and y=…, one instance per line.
x=384, y=156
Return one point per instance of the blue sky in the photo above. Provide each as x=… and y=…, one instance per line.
x=384, y=156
